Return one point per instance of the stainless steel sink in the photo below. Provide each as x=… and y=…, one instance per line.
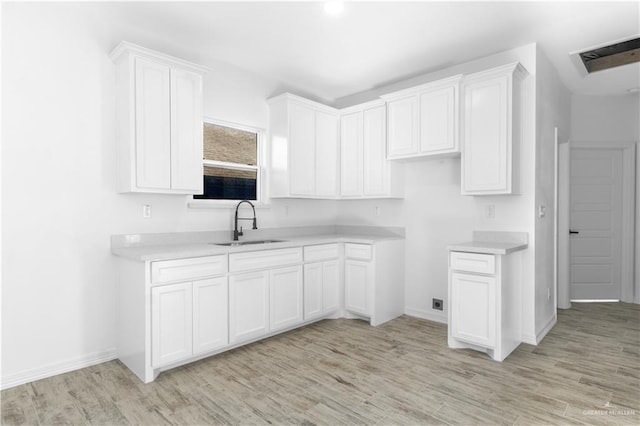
x=246, y=243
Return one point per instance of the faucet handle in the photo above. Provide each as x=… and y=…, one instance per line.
x=240, y=232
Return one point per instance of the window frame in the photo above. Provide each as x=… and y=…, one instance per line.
x=260, y=168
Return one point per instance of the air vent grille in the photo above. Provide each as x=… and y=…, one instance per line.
x=613, y=55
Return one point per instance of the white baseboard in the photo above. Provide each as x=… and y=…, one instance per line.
x=535, y=340
x=421, y=313
x=27, y=376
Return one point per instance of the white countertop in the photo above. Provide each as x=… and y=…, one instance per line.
x=488, y=247
x=493, y=242
x=199, y=249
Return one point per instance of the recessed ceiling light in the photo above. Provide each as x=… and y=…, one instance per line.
x=333, y=7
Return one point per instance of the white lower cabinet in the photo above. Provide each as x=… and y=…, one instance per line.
x=357, y=281
x=473, y=306
x=485, y=299
x=285, y=297
x=248, y=306
x=321, y=288
x=174, y=311
x=188, y=319
x=171, y=323
x=210, y=315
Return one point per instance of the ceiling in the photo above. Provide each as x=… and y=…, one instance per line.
x=376, y=43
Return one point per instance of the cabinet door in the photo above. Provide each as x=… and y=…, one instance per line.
x=152, y=125
x=186, y=131
x=330, y=286
x=285, y=297
x=439, y=120
x=171, y=323
x=375, y=167
x=313, y=292
x=356, y=282
x=302, y=149
x=351, y=154
x=326, y=145
x=473, y=308
x=248, y=306
x=485, y=155
x=403, y=127
x=210, y=314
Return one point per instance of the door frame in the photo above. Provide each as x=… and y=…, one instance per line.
x=630, y=234
x=562, y=277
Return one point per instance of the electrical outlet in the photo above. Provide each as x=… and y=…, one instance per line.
x=146, y=211
x=377, y=210
x=437, y=304
x=491, y=211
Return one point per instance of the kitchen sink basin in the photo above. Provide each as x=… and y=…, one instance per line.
x=246, y=243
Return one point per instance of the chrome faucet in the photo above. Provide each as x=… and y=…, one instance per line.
x=239, y=233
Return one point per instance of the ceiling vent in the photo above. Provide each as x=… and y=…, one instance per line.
x=610, y=55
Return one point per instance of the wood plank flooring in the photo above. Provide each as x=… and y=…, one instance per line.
x=586, y=371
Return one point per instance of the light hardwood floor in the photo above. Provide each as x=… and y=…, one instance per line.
x=586, y=371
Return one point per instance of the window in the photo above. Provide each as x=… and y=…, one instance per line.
x=231, y=162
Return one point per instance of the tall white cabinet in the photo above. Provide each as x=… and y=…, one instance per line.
x=159, y=114
x=491, y=131
x=364, y=169
x=304, y=148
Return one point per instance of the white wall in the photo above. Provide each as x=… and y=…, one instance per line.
x=611, y=119
x=435, y=214
x=58, y=180
x=553, y=103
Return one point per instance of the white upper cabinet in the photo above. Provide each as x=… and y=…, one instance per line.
x=159, y=112
x=326, y=164
x=365, y=171
x=403, y=126
x=351, y=157
x=303, y=148
x=424, y=120
x=491, y=131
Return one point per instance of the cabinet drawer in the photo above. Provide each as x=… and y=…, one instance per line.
x=247, y=261
x=473, y=262
x=320, y=252
x=357, y=251
x=187, y=269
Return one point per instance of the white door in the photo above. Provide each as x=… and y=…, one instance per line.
x=312, y=290
x=330, y=286
x=351, y=154
x=210, y=314
x=152, y=125
x=403, y=127
x=186, y=131
x=171, y=323
x=326, y=155
x=438, y=120
x=596, y=224
x=302, y=160
x=473, y=308
x=356, y=283
x=285, y=295
x=248, y=306
x=375, y=165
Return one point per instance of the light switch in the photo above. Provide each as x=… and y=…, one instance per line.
x=542, y=211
